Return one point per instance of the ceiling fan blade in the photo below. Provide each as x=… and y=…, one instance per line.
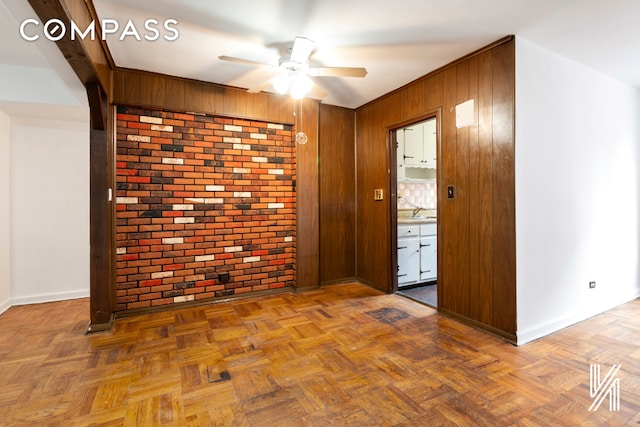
x=302, y=48
x=337, y=71
x=243, y=61
x=262, y=86
x=317, y=92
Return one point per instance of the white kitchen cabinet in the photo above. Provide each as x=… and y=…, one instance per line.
x=408, y=260
x=428, y=259
x=428, y=252
x=429, y=146
x=417, y=253
x=419, y=145
x=400, y=155
x=413, y=145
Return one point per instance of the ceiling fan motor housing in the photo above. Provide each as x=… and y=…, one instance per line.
x=290, y=65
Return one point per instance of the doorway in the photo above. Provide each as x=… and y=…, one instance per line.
x=415, y=209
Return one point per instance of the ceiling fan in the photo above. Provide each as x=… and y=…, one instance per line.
x=294, y=71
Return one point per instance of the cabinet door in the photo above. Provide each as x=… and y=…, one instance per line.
x=429, y=157
x=400, y=154
x=428, y=258
x=408, y=261
x=413, y=151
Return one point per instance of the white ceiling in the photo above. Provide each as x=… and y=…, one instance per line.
x=36, y=80
x=397, y=41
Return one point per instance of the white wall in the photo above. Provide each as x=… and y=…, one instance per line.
x=49, y=210
x=5, y=218
x=577, y=191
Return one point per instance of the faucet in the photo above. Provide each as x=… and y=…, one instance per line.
x=416, y=209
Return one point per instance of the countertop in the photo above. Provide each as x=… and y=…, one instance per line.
x=418, y=220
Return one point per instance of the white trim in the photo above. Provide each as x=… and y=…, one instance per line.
x=60, y=296
x=563, y=322
x=5, y=305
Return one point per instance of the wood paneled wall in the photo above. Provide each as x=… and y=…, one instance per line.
x=337, y=194
x=143, y=89
x=307, y=194
x=476, y=229
x=140, y=88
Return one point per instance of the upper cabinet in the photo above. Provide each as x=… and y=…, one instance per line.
x=429, y=144
x=416, y=149
x=414, y=145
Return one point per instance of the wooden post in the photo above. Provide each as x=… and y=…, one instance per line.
x=102, y=299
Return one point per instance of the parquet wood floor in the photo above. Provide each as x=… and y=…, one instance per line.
x=341, y=355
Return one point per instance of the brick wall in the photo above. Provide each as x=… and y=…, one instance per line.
x=205, y=207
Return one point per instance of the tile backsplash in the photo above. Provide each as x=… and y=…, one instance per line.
x=417, y=193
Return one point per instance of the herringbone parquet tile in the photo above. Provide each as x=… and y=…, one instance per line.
x=342, y=355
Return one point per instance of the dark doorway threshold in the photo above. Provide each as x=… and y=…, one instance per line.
x=427, y=294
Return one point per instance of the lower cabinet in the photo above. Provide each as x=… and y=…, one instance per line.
x=428, y=258
x=417, y=254
x=408, y=261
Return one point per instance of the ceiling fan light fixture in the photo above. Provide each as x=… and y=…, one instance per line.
x=281, y=84
x=294, y=71
x=300, y=85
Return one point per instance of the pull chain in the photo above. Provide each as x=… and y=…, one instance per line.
x=301, y=137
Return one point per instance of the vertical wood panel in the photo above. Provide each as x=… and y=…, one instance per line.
x=371, y=232
x=133, y=89
x=119, y=84
x=241, y=104
x=229, y=103
x=447, y=232
x=480, y=247
x=413, y=100
x=504, y=248
x=462, y=196
x=258, y=104
x=194, y=97
x=155, y=89
x=174, y=94
x=337, y=193
x=281, y=108
x=433, y=92
x=212, y=101
x=366, y=239
x=308, y=235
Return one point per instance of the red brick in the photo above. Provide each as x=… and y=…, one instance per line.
x=141, y=304
x=214, y=227
x=127, y=117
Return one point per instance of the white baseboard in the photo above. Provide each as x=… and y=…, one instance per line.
x=532, y=334
x=59, y=296
x=5, y=305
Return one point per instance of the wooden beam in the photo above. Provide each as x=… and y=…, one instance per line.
x=92, y=63
x=102, y=292
x=96, y=107
x=88, y=58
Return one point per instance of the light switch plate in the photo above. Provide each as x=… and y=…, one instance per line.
x=378, y=194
